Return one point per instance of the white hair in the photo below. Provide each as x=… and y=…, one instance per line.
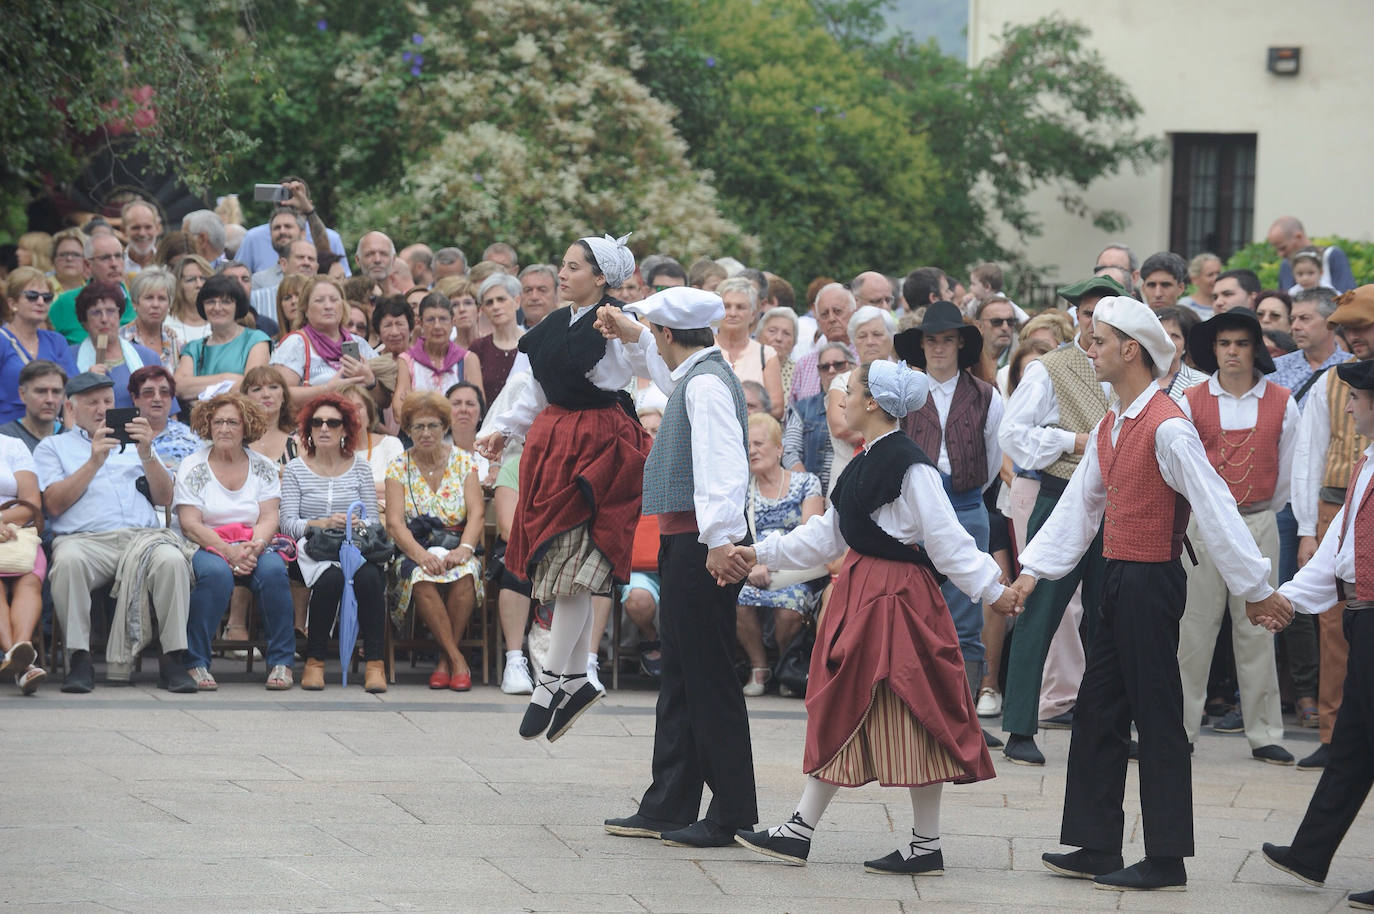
x=784, y=312
x=741, y=285
x=208, y=223
x=869, y=313
x=507, y=281
x=836, y=286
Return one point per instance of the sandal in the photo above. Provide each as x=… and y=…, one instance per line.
x=758, y=681
x=1308, y=716
x=280, y=679
x=29, y=679
x=204, y=681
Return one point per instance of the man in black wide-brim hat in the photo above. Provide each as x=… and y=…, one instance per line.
x=1249, y=427
x=957, y=428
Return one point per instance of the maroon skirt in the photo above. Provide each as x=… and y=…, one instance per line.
x=886, y=622
x=579, y=467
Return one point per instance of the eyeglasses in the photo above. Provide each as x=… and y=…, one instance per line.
x=34, y=295
x=1000, y=321
x=226, y=423
x=885, y=301
x=832, y=366
x=420, y=428
x=317, y=422
x=69, y=255
x=197, y=280
x=99, y=258
x=440, y=318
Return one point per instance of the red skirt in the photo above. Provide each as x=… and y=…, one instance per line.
x=579, y=467
x=887, y=621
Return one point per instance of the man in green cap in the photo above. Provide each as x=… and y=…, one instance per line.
x=1048, y=419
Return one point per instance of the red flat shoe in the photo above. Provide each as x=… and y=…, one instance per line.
x=439, y=680
x=461, y=682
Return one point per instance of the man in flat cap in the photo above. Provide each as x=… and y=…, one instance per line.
x=1045, y=430
x=1328, y=447
x=1142, y=467
x=1342, y=570
x=1248, y=425
x=107, y=530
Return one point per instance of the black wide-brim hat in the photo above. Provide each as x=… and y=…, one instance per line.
x=1202, y=341
x=939, y=317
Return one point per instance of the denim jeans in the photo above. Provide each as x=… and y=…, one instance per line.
x=966, y=612
x=210, y=601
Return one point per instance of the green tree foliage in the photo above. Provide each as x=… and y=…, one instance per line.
x=1261, y=257
x=81, y=77
x=469, y=122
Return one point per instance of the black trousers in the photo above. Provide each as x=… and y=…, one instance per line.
x=368, y=586
x=1349, y=772
x=1132, y=674
x=701, y=735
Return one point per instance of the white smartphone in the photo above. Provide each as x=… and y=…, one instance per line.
x=270, y=193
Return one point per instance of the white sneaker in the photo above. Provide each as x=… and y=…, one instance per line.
x=516, y=680
x=989, y=702
x=593, y=671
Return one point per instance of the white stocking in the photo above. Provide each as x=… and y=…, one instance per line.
x=816, y=796
x=925, y=811
x=572, y=620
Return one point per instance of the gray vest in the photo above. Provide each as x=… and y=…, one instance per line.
x=668, y=482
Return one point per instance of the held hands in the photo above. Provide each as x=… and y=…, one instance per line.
x=491, y=445
x=729, y=564
x=1013, y=599
x=759, y=577
x=616, y=324
x=1273, y=613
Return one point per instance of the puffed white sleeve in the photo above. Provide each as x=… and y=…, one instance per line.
x=519, y=414
x=996, y=412
x=1060, y=543
x=1288, y=440
x=816, y=542
x=1313, y=589
x=1026, y=431
x=924, y=514
x=720, y=465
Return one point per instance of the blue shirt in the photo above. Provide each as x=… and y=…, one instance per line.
x=110, y=502
x=13, y=357
x=1335, y=268
x=120, y=374
x=1292, y=370
x=255, y=250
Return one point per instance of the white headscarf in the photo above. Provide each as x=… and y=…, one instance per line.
x=897, y=388
x=613, y=258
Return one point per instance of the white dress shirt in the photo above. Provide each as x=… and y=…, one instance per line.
x=1309, y=454
x=720, y=464
x=614, y=370
x=942, y=395
x=1183, y=463
x=922, y=514
x=1313, y=588
x=1029, y=431
x=1242, y=412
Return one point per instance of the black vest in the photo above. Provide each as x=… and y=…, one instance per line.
x=561, y=355
x=871, y=480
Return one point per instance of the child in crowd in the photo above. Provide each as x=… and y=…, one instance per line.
x=1307, y=269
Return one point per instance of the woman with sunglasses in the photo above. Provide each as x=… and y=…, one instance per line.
x=28, y=296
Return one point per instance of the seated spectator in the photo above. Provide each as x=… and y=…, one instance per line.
x=288, y=298
x=756, y=399
x=230, y=349
x=466, y=411
x=748, y=358
x=513, y=601
x=778, y=500
x=227, y=499
x=106, y=529
x=871, y=330
x=1275, y=310
x=778, y=328
x=499, y=296
x=185, y=320
x=251, y=318
x=434, y=361
x=69, y=259
x=436, y=483
x=806, y=440
x=374, y=445
x=359, y=322
x=24, y=337
x=97, y=308
x=316, y=491
x=154, y=392
x=313, y=357
x=21, y=593
x=640, y=597
x=466, y=314
x=152, y=290
x=266, y=387
x=40, y=389
x=104, y=264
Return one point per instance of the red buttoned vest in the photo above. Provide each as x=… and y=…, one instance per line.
x=1145, y=518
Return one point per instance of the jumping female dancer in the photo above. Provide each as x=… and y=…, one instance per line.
x=887, y=698
x=580, y=474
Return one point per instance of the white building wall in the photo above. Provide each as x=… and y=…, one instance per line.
x=1200, y=66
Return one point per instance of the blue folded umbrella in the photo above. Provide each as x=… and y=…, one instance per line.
x=350, y=560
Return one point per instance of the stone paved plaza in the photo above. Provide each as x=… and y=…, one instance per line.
x=130, y=799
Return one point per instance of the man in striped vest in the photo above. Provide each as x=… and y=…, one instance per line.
x=1143, y=465
x=1045, y=431
x=1248, y=426
x=1342, y=570
x=1328, y=446
x=696, y=481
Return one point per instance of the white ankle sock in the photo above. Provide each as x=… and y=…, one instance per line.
x=816, y=796
x=925, y=810
x=512, y=656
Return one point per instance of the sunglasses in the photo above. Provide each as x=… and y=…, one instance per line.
x=33, y=295
x=832, y=366
x=1001, y=321
x=317, y=422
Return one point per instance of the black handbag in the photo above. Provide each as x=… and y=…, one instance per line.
x=794, y=663
x=322, y=544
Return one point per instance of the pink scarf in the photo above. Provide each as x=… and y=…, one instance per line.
x=419, y=354
x=329, y=350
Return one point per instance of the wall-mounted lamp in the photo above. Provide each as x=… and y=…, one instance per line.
x=1284, y=61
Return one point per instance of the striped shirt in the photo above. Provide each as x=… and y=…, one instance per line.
x=306, y=496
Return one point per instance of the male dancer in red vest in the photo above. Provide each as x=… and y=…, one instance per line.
x=1248, y=426
x=1142, y=466
x=1342, y=570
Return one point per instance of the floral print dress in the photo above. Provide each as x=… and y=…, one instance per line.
x=448, y=505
